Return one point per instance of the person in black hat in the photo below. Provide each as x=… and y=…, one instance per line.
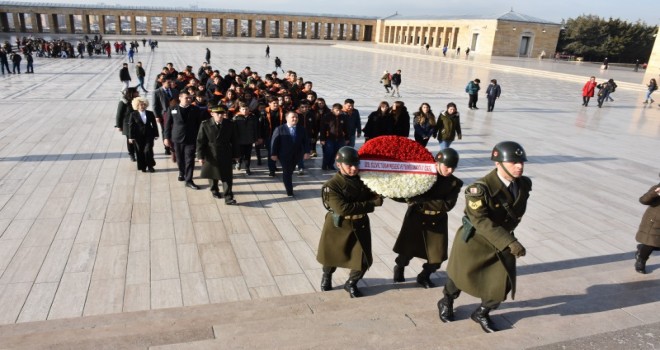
x=483, y=256
x=424, y=230
x=217, y=147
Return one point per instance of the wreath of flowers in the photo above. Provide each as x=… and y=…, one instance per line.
x=399, y=149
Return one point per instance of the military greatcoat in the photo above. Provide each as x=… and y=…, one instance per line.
x=217, y=145
x=484, y=266
x=346, y=246
x=424, y=230
x=649, y=228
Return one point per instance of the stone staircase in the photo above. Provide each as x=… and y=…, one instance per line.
x=566, y=303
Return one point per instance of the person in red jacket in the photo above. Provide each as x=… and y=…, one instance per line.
x=588, y=90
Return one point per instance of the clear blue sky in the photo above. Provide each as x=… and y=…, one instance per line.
x=552, y=10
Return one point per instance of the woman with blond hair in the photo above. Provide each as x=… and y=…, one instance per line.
x=142, y=131
x=424, y=124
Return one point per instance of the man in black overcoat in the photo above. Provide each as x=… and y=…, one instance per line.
x=217, y=147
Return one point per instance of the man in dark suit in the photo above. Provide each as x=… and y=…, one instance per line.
x=181, y=128
x=289, y=145
x=162, y=97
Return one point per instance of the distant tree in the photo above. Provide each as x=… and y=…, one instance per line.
x=595, y=38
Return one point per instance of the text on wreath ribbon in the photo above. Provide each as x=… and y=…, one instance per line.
x=397, y=167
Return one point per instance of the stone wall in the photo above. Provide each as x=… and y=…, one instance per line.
x=491, y=37
x=653, y=68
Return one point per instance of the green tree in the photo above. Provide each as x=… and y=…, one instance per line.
x=595, y=38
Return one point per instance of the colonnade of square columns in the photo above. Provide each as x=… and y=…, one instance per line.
x=226, y=25
x=420, y=36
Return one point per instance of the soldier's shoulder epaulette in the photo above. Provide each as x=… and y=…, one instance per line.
x=475, y=190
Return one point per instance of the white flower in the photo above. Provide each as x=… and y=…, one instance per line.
x=397, y=185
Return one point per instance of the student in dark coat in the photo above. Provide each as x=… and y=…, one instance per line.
x=424, y=124
x=16, y=62
x=333, y=135
x=379, y=122
x=216, y=150
x=124, y=76
x=401, y=118
x=30, y=63
x=493, y=93
x=4, y=61
x=308, y=119
x=290, y=145
x=449, y=126
x=424, y=230
x=472, y=89
x=648, y=234
x=247, y=128
x=142, y=131
x=163, y=97
x=124, y=109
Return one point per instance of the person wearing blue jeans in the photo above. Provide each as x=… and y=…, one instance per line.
x=449, y=126
x=4, y=61
x=333, y=132
x=139, y=71
x=653, y=85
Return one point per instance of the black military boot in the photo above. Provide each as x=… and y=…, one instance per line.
x=398, y=273
x=446, y=309
x=424, y=279
x=481, y=317
x=351, y=285
x=326, y=282
x=640, y=262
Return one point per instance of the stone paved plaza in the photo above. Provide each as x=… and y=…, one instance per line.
x=83, y=233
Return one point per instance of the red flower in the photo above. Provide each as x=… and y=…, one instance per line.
x=395, y=148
